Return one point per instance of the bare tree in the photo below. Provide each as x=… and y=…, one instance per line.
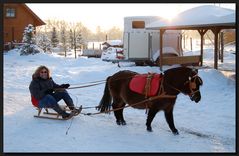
x=76, y=36
x=115, y=33
x=71, y=40
x=99, y=35
x=82, y=33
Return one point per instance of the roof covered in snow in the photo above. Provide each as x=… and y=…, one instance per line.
x=202, y=16
x=113, y=42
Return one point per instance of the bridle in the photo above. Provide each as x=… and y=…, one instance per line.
x=192, y=85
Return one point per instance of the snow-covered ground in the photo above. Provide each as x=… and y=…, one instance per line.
x=208, y=126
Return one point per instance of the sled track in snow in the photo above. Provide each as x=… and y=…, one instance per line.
x=216, y=139
x=198, y=134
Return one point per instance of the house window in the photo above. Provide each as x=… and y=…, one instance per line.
x=10, y=12
x=138, y=24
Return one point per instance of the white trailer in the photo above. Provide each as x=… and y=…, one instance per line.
x=140, y=45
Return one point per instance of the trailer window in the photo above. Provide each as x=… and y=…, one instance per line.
x=138, y=24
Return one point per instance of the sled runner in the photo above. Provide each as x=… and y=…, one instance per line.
x=49, y=114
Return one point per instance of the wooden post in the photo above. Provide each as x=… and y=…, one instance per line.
x=161, y=49
x=222, y=45
x=191, y=44
x=181, y=44
x=202, y=32
x=184, y=41
x=219, y=46
x=216, y=32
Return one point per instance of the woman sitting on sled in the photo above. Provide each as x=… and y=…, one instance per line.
x=45, y=93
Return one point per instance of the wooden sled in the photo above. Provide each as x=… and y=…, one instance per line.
x=53, y=115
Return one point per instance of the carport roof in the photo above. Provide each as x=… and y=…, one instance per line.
x=199, y=17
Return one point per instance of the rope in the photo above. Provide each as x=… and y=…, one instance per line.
x=69, y=126
x=146, y=100
x=89, y=82
x=83, y=86
x=89, y=107
x=98, y=83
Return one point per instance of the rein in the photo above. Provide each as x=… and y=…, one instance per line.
x=94, y=83
x=192, y=85
x=146, y=100
x=83, y=86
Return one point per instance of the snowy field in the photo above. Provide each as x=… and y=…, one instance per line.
x=208, y=126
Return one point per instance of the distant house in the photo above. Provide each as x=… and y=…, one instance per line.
x=16, y=17
x=112, y=43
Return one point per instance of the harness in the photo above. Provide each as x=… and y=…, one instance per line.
x=192, y=86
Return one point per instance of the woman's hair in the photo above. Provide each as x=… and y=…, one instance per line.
x=38, y=70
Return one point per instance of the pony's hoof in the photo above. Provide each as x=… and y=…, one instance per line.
x=123, y=123
x=118, y=122
x=176, y=133
x=149, y=129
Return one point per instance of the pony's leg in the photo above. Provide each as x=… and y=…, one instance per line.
x=118, y=113
x=150, y=117
x=169, y=118
x=117, y=116
x=122, y=116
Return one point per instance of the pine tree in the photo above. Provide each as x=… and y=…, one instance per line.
x=29, y=40
x=44, y=42
x=54, y=39
x=28, y=35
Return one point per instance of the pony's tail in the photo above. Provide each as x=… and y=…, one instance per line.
x=105, y=102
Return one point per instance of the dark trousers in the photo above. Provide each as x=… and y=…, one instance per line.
x=50, y=101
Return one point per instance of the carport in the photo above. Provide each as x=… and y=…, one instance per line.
x=202, y=19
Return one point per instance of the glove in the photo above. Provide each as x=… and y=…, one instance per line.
x=49, y=91
x=65, y=85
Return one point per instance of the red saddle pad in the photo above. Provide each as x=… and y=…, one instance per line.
x=138, y=82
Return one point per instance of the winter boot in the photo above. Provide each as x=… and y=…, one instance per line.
x=76, y=111
x=58, y=109
x=63, y=113
x=66, y=115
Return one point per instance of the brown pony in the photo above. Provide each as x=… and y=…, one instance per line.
x=176, y=80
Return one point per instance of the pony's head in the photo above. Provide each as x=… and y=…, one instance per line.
x=192, y=86
x=184, y=80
